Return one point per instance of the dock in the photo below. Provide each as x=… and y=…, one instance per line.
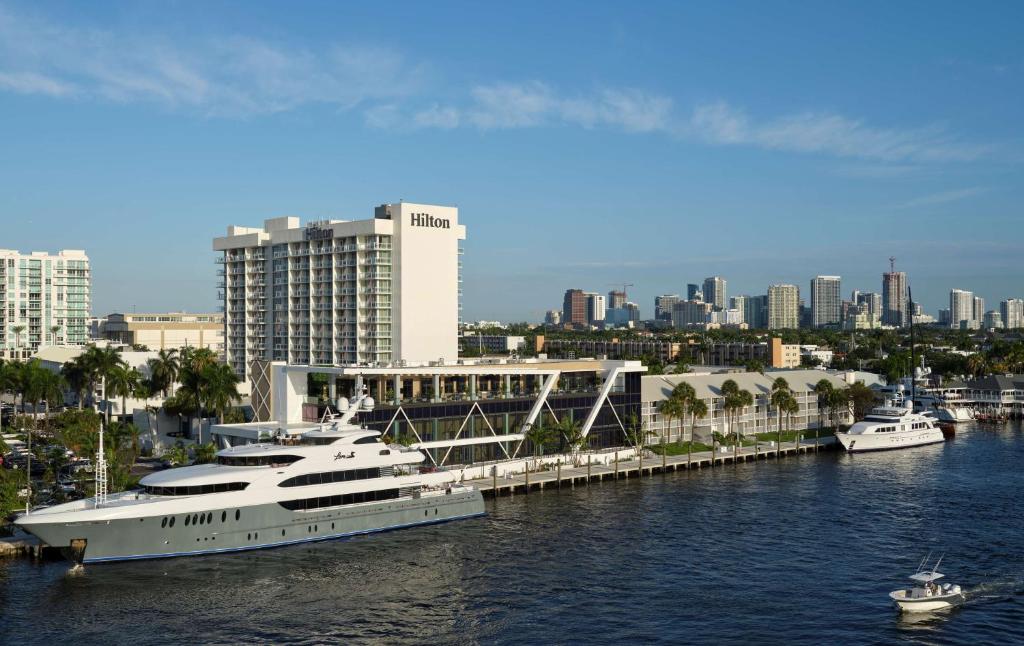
x=574, y=475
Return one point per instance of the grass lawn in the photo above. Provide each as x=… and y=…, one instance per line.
x=677, y=448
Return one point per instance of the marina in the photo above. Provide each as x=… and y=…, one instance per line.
x=704, y=555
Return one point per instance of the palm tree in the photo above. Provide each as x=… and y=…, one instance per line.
x=671, y=408
x=123, y=382
x=977, y=364
x=686, y=395
x=54, y=329
x=729, y=390
x=52, y=390
x=790, y=406
x=572, y=431
x=780, y=392
x=823, y=389
x=220, y=388
x=698, y=410
x=18, y=331
x=100, y=364
x=539, y=435
x=164, y=370
x=77, y=377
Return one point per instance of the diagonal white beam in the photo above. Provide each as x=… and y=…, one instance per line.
x=607, y=388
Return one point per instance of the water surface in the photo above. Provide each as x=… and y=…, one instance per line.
x=802, y=551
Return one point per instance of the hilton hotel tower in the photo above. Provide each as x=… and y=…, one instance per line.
x=339, y=292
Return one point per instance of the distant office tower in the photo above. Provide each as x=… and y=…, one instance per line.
x=872, y=300
x=978, y=309
x=616, y=299
x=755, y=311
x=992, y=320
x=739, y=303
x=595, y=308
x=944, y=316
x=553, y=317
x=44, y=300
x=895, y=310
x=961, y=309
x=693, y=292
x=688, y=313
x=574, y=307
x=783, y=307
x=633, y=309
x=825, y=301
x=663, y=306
x=714, y=292
x=1012, y=311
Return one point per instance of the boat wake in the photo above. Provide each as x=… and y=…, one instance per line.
x=994, y=591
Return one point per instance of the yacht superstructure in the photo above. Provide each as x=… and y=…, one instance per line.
x=333, y=481
x=891, y=427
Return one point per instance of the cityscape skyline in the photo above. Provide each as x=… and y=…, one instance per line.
x=563, y=154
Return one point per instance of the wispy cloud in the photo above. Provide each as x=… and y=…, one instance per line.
x=230, y=76
x=239, y=76
x=831, y=134
x=944, y=197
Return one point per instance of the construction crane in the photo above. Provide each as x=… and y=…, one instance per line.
x=624, y=286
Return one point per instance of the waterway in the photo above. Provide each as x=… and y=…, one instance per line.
x=799, y=551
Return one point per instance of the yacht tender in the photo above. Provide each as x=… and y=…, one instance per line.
x=891, y=427
x=336, y=480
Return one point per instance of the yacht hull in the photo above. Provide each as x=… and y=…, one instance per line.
x=927, y=604
x=255, y=527
x=860, y=443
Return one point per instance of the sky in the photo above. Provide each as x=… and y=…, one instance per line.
x=586, y=144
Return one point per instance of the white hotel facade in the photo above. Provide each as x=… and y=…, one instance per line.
x=371, y=292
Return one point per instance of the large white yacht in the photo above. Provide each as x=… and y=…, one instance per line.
x=891, y=426
x=334, y=481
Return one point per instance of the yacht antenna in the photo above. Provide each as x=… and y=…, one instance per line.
x=101, y=460
x=924, y=560
x=913, y=358
x=936, y=568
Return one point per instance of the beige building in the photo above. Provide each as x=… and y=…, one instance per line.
x=783, y=307
x=167, y=330
x=783, y=355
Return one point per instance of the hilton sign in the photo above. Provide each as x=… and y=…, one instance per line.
x=429, y=221
x=318, y=233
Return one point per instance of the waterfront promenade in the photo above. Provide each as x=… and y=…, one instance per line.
x=570, y=475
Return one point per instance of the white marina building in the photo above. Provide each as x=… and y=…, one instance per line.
x=334, y=292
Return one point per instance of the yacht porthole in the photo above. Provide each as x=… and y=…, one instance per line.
x=163, y=523
x=172, y=521
x=188, y=519
x=223, y=516
x=237, y=514
x=248, y=536
x=202, y=519
x=282, y=532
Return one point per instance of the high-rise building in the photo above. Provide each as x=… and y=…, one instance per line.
x=755, y=311
x=553, y=317
x=978, y=309
x=783, y=307
x=961, y=309
x=595, y=308
x=616, y=299
x=992, y=320
x=872, y=300
x=739, y=303
x=686, y=313
x=633, y=309
x=895, y=309
x=693, y=292
x=44, y=300
x=825, y=301
x=944, y=316
x=663, y=306
x=574, y=307
x=1012, y=311
x=338, y=292
x=714, y=292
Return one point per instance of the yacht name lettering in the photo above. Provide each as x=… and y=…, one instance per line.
x=342, y=456
x=427, y=220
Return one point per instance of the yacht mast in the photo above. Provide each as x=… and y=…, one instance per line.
x=913, y=356
x=101, y=460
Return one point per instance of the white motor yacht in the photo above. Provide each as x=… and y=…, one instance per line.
x=891, y=427
x=926, y=595
x=334, y=481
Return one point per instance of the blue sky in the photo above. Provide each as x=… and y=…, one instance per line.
x=584, y=143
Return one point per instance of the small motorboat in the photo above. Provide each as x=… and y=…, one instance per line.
x=926, y=595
